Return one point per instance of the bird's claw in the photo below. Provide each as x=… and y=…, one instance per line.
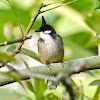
x=48, y=65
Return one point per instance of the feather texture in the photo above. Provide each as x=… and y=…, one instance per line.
x=50, y=50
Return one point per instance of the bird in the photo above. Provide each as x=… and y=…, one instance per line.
x=50, y=44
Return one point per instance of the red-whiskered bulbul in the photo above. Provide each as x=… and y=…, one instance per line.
x=50, y=44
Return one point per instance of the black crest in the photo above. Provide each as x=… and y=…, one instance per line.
x=43, y=24
x=43, y=21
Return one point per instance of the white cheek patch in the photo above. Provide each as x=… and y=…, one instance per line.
x=45, y=36
x=47, y=32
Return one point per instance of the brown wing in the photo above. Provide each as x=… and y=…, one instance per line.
x=60, y=48
x=40, y=49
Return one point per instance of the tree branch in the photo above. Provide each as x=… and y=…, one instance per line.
x=53, y=3
x=70, y=67
x=69, y=88
x=57, y=6
x=33, y=19
x=15, y=41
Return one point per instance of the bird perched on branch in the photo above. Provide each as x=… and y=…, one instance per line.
x=50, y=45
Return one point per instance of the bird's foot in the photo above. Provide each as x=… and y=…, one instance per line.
x=48, y=65
x=62, y=63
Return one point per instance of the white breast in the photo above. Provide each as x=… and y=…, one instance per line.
x=49, y=42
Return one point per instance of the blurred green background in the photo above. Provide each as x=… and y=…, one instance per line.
x=77, y=24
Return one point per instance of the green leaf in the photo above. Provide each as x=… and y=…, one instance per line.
x=75, y=89
x=81, y=91
x=96, y=96
x=92, y=42
x=95, y=83
x=30, y=53
x=2, y=36
x=93, y=21
x=5, y=57
x=30, y=86
x=9, y=94
x=26, y=65
x=22, y=15
x=25, y=51
x=84, y=5
x=74, y=48
x=11, y=48
x=51, y=96
x=40, y=87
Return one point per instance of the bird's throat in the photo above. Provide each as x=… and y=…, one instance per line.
x=45, y=36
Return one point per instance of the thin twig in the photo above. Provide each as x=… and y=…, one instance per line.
x=17, y=50
x=58, y=6
x=15, y=41
x=33, y=19
x=53, y=3
x=16, y=17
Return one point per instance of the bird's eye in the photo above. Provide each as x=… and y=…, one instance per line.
x=45, y=29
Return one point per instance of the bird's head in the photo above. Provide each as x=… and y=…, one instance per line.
x=45, y=28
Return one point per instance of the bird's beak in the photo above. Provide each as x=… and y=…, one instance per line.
x=38, y=31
